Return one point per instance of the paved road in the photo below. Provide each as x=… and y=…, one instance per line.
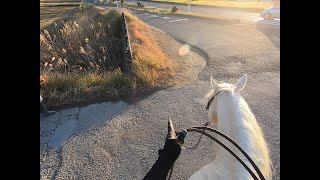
x=235, y=49
x=120, y=141
x=240, y=14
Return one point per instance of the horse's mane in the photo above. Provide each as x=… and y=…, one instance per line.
x=251, y=128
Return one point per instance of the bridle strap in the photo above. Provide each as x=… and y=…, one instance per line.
x=209, y=102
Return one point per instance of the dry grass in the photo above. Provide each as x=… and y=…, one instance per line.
x=151, y=65
x=50, y=15
x=147, y=8
x=80, y=59
x=53, y=12
x=58, y=1
x=83, y=45
x=104, y=2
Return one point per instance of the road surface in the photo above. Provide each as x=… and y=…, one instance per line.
x=232, y=13
x=116, y=140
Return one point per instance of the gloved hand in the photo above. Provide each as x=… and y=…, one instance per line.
x=167, y=156
x=172, y=147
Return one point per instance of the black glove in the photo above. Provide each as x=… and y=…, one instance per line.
x=172, y=147
x=167, y=156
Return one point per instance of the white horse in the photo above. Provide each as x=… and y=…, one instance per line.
x=230, y=112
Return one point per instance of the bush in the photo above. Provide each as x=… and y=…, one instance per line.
x=83, y=45
x=140, y=4
x=174, y=9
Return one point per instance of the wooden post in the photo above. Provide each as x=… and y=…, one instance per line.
x=81, y=5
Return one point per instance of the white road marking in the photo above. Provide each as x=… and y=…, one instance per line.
x=261, y=21
x=275, y=23
x=251, y=20
x=255, y=19
x=178, y=20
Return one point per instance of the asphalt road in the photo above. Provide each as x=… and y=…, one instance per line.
x=232, y=50
x=233, y=13
x=120, y=141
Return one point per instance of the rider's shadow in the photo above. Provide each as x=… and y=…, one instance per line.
x=96, y=115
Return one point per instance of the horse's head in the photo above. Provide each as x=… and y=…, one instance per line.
x=216, y=88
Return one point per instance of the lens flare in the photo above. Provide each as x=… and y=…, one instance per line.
x=184, y=50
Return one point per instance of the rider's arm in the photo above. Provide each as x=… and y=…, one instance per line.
x=160, y=169
x=167, y=156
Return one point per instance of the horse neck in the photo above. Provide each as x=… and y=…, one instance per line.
x=227, y=125
x=237, y=121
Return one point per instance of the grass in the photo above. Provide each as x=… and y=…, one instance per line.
x=105, y=2
x=58, y=1
x=53, y=3
x=81, y=59
x=151, y=65
x=50, y=15
x=188, y=14
x=64, y=89
x=147, y=8
x=253, y=5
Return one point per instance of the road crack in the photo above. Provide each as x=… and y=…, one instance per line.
x=60, y=159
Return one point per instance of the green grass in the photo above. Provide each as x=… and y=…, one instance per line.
x=63, y=89
x=254, y=5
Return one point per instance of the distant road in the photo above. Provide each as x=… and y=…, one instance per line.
x=241, y=14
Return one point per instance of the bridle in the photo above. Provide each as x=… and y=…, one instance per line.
x=211, y=99
x=202, y=130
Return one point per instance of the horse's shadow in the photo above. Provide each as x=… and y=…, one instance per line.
x=271, y=31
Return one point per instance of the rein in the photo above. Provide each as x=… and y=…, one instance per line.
x=230, y=140
x=202, y=130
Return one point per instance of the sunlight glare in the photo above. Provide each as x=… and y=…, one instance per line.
x=184, y=50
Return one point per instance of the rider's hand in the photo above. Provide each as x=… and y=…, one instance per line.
x=167, y=157
x=172, y=147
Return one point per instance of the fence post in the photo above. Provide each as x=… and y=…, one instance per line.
x=127, y=53
x=81, y=6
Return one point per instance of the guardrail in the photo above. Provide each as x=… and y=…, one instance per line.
x=127, y=52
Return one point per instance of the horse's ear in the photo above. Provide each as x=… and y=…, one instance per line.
x=214, y=84
x=241, y=83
